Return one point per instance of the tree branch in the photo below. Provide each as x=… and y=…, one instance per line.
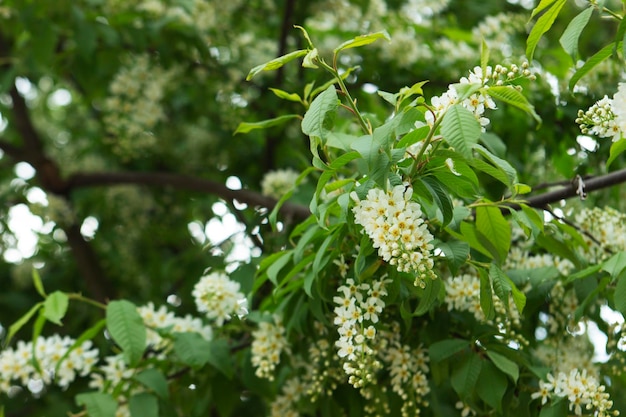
x=184, y=182
x=590, y=184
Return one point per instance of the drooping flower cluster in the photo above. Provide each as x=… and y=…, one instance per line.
x=134, y=108
x=478, y=102
x=219, y=297
x=161, y=318
x=17, y=366
x=357, y=310
x=408, y=367
x=583, y=392
x=607, y=117
x=277, y=183
x=267, y=345
x=607, y=226
x=395, y=225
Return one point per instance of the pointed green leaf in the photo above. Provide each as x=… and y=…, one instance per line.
x=97, y=404
x=362, y=40
x=569, y=39
x=544, y=23
x=486, y=296
x=615, y=264
x=127, y=329
x=460, y=129
x=494, y=231
x=444, y=349
x=276, y=63
x=428, y=297
x=143, y=405
x=591, y=63
x=541, y=6
x=38, y=284
x=465, y=376
x=15, y=327
x=246, y=127
x=505, y=364
x=55, y=307
x=499, y=163
x=617, y=148
x=491, y=386
x=456, y=253
x=318, y=119
x=619, y=296
x=154, y=379
x=192, y=349
x=309, y=59
x=510, y=95
x=220, y=357
x=440, y=197
x=285, y=95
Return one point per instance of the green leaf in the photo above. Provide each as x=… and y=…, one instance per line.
x=276, y=63
x=143, y=405
x=127, y=329
x=38, y=284
x=97, y=404
x=55, y=307
x=615, y=264
x=429, y=297
x=460, y=129
x=499, y=163
x=309, y=59
x=494, y=231
x=277, y=265
x=569, y=39
x=456, y=253
x=584, y=273
x=362, y=40
x=440, y=197
x=154, y=379
x=544, y=23
x=220, y=357
x=192, y=349
x=486, y=296
x=504, y=364
x=491, y=386
x=318, y=119
x=542, y=5
x=619, y=297
x=285, y=95
x=465, y=376
x=15, y=327
x=617, y=148
x=484, y=55
x=591, y=63
x=510, y=95
x=340, y=140
x=444, y=349
x=246, y=127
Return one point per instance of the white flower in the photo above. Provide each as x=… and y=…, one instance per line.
x=267, y=345
x=394, y=223
x=219, y=297
x=277, y=183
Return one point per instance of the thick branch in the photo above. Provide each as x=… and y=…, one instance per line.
x=183, y=182
x=590, y=184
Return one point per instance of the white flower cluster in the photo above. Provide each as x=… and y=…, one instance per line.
x=133, y=109
x=277, y=183
x=478, y=102
x=607, y=117
x=115, y=375
x=219, y=297
x=519, y=258
x=357, y=311
x=563, y=354
x=608, y=228
x=162, y=319
x=395, y=225
x=583, y=392
x=268, y=342
x=18, y=365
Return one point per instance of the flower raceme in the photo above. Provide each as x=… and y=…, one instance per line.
x=395, y=225
x=219, y=297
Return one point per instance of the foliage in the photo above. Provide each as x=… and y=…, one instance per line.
x=312, y=208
